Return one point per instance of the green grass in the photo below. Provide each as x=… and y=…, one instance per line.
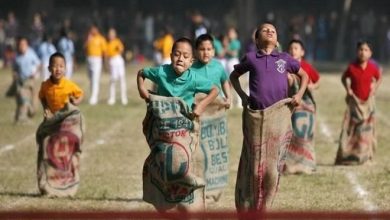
x=114, y=150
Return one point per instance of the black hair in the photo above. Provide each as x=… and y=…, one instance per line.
x=296, y=41
x=261, y=25
x=183, y=40
x=362, y=42
x=54, y=55
x=202, y=38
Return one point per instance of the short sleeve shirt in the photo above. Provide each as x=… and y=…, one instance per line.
x=268, y=82
x=213, y=71
x=361, y=78
x=234, y=45
x=313, y=74
x=170, y=84
x=114, y=47
x=26, y=64
x=57, y=95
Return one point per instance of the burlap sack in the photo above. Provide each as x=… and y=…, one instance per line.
x=267, y=133
x=59, y=140
x=357, y=142
x=173, y=177
x=213, y=141
x=300, y=153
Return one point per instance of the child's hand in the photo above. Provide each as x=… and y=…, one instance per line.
x=244, y=101
x=296, y=99
x=198, y=110
x=47, y=113
x=350, y=92
x=227, y=103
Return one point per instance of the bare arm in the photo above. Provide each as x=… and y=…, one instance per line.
x=201, y=106
x=76, y=101
x=296, y=99
x=46, y=111
x=346, y=85
x=375, y=84
x=237, y=86
x=143, y=92
x=227, y=93
x=313, y=86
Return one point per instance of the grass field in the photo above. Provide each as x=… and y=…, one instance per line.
x=114, y=150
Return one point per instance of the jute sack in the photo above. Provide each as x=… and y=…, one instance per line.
x=59, y=140
x=267, y=133
x=173, y=177
x=300, y=153
x=357, y=142
x=213, y=142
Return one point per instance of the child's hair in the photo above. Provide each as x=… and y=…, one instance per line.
x=260, y=26
x=202, y=38
x=54, y=55
x=296, y=41
x=362, y=42
x=182, y=40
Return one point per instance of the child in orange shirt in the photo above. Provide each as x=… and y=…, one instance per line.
x=60, y=135
x=116, y=62
x=57, y=91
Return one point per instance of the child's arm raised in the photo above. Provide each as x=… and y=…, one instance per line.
x=297, y=98
x=201, y=106
x=143, y=92
x=237, y=86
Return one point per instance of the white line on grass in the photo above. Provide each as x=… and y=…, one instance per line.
x=103, y=138
x=9, y=147
x=359, y=190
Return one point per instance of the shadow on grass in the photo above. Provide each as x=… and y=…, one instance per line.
x=38, y=195
x=20, y=194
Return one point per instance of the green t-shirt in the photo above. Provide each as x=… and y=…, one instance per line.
x=184, y=86
x=234, y=45
x=217, y=46
x=212, y=71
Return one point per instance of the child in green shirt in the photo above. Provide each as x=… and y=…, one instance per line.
x=177, y=79
x=211, y=68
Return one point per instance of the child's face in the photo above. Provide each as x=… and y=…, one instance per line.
x=205, y=51
x=181, y=57
x=296, y=51
x=57, y=68
x=267, y=35
x=364, y=53
x=111, y=34
x=23, y=46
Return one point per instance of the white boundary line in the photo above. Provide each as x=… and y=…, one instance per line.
x=102, y=140
x=359, y=190
x=9, y=147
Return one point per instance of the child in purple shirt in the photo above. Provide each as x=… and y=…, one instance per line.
x=268, y=71
x=266, y=118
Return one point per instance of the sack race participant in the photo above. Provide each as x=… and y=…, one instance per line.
x=266, y=119
x=173, y=172
x=300, y=154
x=213, y=122
x=361, y=80
x=60, y=135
